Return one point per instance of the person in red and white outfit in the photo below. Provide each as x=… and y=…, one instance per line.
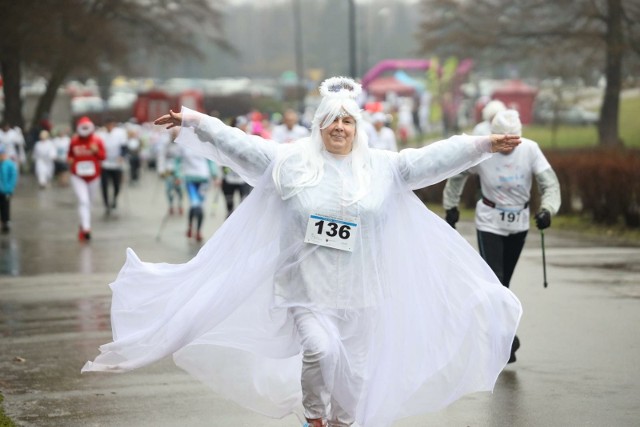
x=86, y=153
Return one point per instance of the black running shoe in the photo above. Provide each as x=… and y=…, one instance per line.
x=515, y=345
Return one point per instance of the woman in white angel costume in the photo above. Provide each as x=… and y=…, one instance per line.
x=332, y=292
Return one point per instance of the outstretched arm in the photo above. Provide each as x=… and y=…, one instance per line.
x=438, y=161
x=248, y=155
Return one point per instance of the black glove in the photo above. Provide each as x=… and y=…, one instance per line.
x=543, y=219
x=452, y=216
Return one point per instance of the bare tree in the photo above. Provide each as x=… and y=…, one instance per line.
x=17, y=25
x=57, y=38
x=534, y=32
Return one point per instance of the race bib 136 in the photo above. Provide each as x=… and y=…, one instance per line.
x=332, y=232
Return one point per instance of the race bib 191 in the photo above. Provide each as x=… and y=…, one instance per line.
x=86, y=168
x=332, y=232
x=515, y=220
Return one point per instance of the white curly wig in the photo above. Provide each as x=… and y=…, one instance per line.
x=303, y=165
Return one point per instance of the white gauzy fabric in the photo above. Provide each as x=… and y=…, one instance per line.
x=434, y=321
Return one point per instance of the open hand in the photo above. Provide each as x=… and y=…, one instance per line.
x=504, y=143
x=172, y=119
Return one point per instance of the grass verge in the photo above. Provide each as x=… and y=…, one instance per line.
x=4, y=420
x=615, y=234
x=576, y=225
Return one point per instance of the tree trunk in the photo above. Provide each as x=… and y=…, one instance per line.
x=609, y=113
x=45, y=103
x=11, y=80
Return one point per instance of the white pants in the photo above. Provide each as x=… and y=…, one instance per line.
x=85, y=191
x=44, y=171
x=325, y=343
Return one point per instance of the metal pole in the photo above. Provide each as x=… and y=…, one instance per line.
x=544, y=261
x=165, y=218
x=352, y=39
x=297, y=26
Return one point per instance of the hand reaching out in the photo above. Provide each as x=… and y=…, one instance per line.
x=172, y=119
x=504, y=143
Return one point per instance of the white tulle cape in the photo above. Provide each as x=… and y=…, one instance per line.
x=438, y=324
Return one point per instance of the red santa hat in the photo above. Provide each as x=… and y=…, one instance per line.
x=85, y=126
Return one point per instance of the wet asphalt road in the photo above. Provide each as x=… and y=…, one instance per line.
x=578, y=364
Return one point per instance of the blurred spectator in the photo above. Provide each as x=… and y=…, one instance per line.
x=198, y=172
x=169, y=167
x=43, y=155
x=232, y=183
x=134, y=146
x=489, y=111
x=290, y=130
x=256, y=126
x=13, y=140
x=8, y=181
x=449, y=115
x=406, y=129
x=61, y=168
x=115, y=145
x=383, y=137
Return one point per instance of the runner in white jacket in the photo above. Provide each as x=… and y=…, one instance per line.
x=502, y=213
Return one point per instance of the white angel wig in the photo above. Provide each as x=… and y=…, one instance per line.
x=302, y=165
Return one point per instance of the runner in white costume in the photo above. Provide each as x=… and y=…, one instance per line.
x=502, y=214
x=44, y=154
x=403, y=317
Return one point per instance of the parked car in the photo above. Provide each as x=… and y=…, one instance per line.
x=570, y=116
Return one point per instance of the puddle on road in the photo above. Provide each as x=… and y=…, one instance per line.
x=56, y=317
x=28, y=257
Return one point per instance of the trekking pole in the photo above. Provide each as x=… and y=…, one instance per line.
x=544, y=261
x=216, y=197
x=162, y=224
x=156, y=185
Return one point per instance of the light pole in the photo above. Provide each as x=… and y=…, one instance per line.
x=352, y=39
x=297, y=30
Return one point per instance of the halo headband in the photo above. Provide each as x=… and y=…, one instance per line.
x=340, y=87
